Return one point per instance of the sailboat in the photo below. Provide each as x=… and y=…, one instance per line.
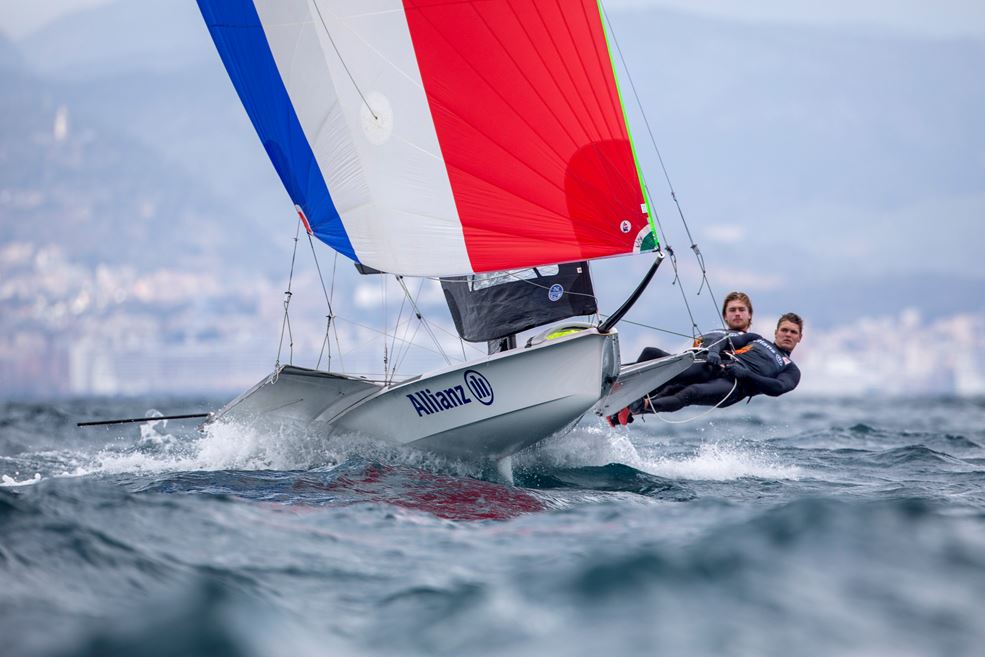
x=483, y=144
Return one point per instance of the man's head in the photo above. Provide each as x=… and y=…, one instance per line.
x=737, y=311
x=789, y=331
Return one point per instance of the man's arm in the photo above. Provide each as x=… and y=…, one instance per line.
x=784, y=382
x=735, y=341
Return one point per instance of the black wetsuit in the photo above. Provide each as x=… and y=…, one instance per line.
x=760, y=368
x=710, y=338
x=698, y=372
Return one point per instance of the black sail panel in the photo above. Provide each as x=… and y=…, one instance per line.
x=492, y=306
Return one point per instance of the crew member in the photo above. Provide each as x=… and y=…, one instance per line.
x=756, y=367
x=737, y=317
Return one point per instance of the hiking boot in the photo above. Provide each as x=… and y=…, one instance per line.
x=625, y=416
x=620, y=419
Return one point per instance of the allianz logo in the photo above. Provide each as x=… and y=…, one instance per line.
x=426, y=402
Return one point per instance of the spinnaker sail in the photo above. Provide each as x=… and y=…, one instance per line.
x=434, y=138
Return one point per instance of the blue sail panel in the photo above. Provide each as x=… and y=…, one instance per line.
x=242, y=44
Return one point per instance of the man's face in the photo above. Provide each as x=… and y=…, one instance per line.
x=787, y=336
x=737, y=316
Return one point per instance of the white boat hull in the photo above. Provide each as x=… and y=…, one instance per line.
x=637, y=379
x=497, y=406
x=488, y=408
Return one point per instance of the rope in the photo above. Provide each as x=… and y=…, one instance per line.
x=335, y=326
x=286, y=322
x=695, y=331
x=386, y=355
x=654, y=328
x=393, y=342
x=343, y=318
x=427, y=327
x=454, y=334
x=407, y=346
x=673, y=195
x=328, y=301
x=735, y=384
x=324, y=342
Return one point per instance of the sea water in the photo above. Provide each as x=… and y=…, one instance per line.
x=785, y=527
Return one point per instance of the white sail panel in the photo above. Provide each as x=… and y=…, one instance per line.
x=355, y=85
x=429, y=137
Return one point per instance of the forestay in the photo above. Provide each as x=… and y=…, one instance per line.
x=428, y=137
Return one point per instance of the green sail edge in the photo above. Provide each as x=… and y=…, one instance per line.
x=632, y=143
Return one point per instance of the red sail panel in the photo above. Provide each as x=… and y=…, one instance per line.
x=531, y=128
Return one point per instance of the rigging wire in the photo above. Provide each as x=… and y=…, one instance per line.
x=410, y=343
x=654, y=328
x=386, y=355
x=427, y=327
x=328, y=300
x=326, y=342
x=454, y=334
x=335, y=326
x=406, y=346
x=286, y=322
x=393, y=342
x=705, y=282
x=379, y=334
x=330, y=326
x=735, y=384
x=417, y=325
x=695, y=331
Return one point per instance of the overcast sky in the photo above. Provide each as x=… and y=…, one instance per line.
x=937, y=18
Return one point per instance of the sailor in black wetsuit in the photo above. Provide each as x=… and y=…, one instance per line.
x=757, y=367
x=736, y=315
x=701, y=371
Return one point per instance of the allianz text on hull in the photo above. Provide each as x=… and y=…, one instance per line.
x=496, y=406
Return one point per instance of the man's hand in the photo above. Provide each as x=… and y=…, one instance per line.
x=738, y=370
x=713, y=358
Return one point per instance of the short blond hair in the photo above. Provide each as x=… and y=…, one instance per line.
x=737, y=296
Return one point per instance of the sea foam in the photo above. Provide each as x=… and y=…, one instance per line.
x=713, y=461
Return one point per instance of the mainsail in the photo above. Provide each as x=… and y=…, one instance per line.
x=492, y=306
x=436, y=138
